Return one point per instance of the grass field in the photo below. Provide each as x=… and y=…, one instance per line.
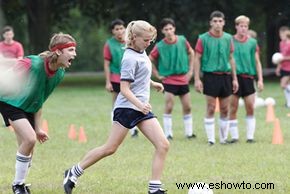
x=129, y=169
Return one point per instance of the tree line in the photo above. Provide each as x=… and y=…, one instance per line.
x=88, y=21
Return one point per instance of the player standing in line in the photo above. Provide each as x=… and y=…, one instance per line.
x=23, y=111
x=214, y=57
x=131, y=108
x=113, y=53
x=174, y=58
x=10, y=48
x=283, y=68
x=248, y=65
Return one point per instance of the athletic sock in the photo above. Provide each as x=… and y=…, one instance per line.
x=167, y=124
x=223, y=129
x=287, y=95
x=77, y=171
x=209, y=129
x=21, y=168
x=154, y=185
x=251, y=126
x=187, y=120
x=233, y=129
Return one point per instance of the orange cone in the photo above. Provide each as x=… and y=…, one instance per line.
x=270, y=116
x=217, y=105
x=82, y=135
x=72, y=134
x=45, y=126
x=277, y=133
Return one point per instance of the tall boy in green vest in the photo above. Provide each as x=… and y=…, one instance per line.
x=113, y=54
x=173, y=58
x=248, y=65
x=214, y=57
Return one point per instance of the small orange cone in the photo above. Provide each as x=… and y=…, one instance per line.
x=277, y=133
x=270, y=116
x=82, y=135
x=45, y=126
x=217, y=105
x=72, y=134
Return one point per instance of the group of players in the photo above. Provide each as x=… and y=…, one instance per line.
x=229, y=65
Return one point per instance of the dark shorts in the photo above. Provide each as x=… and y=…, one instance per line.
x=177, y=90
x=246, y=86
x=284, y=73
x=217, y=85
x=116, y=87
x=13, y=113
x=129, y=118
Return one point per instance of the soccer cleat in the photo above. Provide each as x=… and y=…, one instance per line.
x=210, y=143
x=233, y=141
x=19, y=189
x=191, y=136
x=159, y=191
x=135, y=133
x=69, y=181
x=169, y=137
x=250, y=141
x=27, y=188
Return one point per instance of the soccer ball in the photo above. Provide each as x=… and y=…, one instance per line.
x=259, y=102
x=200, y=188
x=276, y=58
x=270, y=101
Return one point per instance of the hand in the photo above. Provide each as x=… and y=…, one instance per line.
x=235, y=86
x=260, y=85
x=41, y=136
x=109, y=87
x=198, y=86
x=146, y=108
x=158, y=86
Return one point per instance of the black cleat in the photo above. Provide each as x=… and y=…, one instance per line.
x=135, y=133
x=233, y=141
x=169, y=137
x=27, y=187
x=250, y=141
x=191, y=136
x=159, y=191
x=210, y=143
x=69, y=182
x=19, y=189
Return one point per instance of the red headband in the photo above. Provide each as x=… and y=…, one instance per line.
x=62, y=46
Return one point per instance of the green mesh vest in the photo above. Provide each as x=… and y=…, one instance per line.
x=216, y=53
x=37, y=88
x=173, y=58
x=117, y=50
x=244, y=55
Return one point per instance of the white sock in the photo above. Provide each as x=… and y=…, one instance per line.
x=233, y=129
x=167, y=124
x=21, y=168
x=209, y=129
x=154, y=185
x=187, y=120
x=251, y=126
x=77, y=171
x=287, y=95
x=223, y=129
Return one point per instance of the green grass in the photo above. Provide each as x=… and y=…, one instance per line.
x=129, y=169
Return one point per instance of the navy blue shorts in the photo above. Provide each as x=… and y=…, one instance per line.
x=129, y=118
x=116, y=87
x=246, y=86
x=177, y=90
x=284, y=73
x=217, y=85
x=13, y=113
